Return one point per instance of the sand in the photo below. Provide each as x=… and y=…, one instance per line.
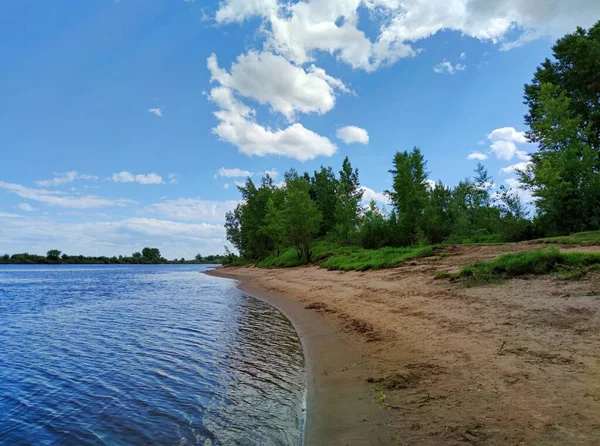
x=396, y=357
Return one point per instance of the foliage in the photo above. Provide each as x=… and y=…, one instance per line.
x=152, y=255
x=563, y=102
x=580, y=238
x=532, y=262
x=347, y=258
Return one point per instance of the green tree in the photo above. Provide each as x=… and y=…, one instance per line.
x=349, y=196
x=325, y=187
x=302, y=217
x=564, y=173
x=373, y=228
x=53, y=255
x=409, y=193
x=438, y=216
x=275, y=226
x=136, y=255
x=151, y=254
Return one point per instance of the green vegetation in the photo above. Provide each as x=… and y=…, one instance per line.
x=571, y=265
x=147, y=256
x=321, y=217
x=348, y=258
x=579, y=238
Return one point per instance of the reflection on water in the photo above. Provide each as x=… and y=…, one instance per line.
x=152, y=354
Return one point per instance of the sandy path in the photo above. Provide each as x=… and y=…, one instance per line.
x=516, y=363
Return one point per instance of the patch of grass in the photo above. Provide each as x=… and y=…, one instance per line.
x=580, y=238
x=348, y=258
x=571, y=264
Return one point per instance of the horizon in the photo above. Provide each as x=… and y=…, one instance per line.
x=127, y=124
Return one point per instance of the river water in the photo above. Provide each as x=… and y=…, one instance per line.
x=143, y=354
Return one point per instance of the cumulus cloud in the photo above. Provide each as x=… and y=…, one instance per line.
x=64, y=178
x=156, y=111
x=370, y=194
x=447, y=67
x=273, y=80
x=477, y=156
x=233, y=173
x=55, y=198
x=522, y=166
x=504, y=144
x=297, y=30
x=128, y=177
x=238, y=126
x=273, y=173
x=193, y=209
x=351, y=134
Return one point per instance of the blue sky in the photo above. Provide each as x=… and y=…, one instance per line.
x=126, y=124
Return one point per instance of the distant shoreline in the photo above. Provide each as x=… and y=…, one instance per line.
x=341, y=408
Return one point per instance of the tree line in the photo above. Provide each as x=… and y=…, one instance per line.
x=563, y=116
x=146, y=256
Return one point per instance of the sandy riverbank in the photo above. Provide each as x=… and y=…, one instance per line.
x=396, y=357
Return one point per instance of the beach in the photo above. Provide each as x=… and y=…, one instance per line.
x=396, y=357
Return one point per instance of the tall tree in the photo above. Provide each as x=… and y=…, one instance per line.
x=325, y=187
x=438, y=215
x=347, y=211
x=409, y=192
x=302, y=217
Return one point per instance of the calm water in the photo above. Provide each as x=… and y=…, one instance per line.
x=156, y=354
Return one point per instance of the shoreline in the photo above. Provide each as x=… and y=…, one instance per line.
x=395, y=356
x=340, y=404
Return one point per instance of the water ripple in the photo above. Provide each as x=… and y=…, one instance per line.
x=148, y=354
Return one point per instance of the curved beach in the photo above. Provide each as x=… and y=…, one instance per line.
x=341, y=405
x=397, y=357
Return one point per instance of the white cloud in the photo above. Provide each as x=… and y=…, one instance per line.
x=370, y=194
x=173, y=178
x=226, y=186
x=128, y=177
x=193, y=209
x=156, y=111
x=55, y=198
x=238, y=127
x=273, y=173
x=463, y=55
x=296, y=30
x=508, y=134
x=239, y=183
x=64, y=178
x=504, y=143
x=233, y=173
x=271, y=79
x=477, y=156
x=351, y=134
x=524, y=195
x=430, y=184
x=26, y=207
x=448, y=68
x=522, y=166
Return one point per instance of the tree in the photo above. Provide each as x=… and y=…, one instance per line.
x=136, y=255
x=563, y=174
x=301, y=215
x=563, y=101
x=347, y=211
x=275, y=226
x=53, y=255
x=324, y=185
x=373, y=228
x=438, y=215
x=151, y=254
x=409, y=193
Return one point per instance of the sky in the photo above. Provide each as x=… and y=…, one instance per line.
x=128, y=123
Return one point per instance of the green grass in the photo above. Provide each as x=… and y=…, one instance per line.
x=580, y=238
x=348, y=258
x=571, y=265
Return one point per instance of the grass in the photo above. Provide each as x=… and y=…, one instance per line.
x=348, y=258
x=570, y=266
x=580, y=238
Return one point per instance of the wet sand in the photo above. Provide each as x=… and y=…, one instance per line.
x=396, y=357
